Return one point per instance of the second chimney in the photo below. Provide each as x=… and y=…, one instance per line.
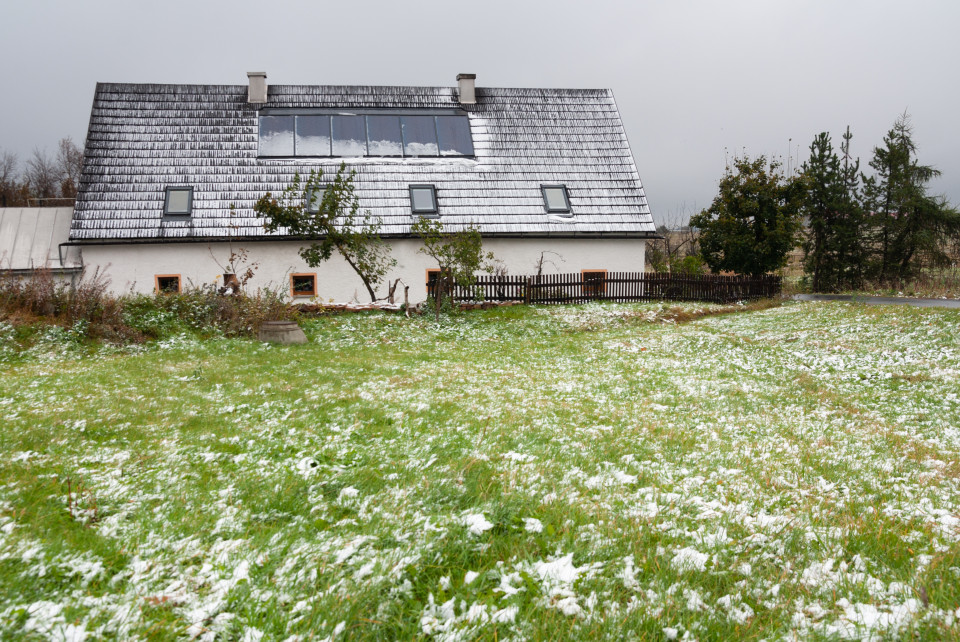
x=467, y=88
x=257, y=91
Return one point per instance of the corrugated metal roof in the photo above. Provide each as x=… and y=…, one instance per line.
x=30, y=238
x=143, y=138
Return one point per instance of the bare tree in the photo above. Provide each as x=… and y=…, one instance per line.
x=8, y=169
x=69, y=165
x=543, y=260
x=679, y=241
x=43, y=175
x=8, y=178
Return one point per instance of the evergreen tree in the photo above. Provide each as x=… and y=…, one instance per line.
x=851, y=235
x=833, y=249
x=753, y=221
x=909, y=225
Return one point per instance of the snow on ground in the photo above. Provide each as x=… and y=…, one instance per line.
x=596, y=471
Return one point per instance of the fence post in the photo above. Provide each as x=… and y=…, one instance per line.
x=526, y=290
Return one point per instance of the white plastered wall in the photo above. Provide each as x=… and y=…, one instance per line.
x=134, y=267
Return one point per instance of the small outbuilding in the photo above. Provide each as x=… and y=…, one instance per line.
x=34, y=239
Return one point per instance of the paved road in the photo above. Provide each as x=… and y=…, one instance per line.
x=882, y=300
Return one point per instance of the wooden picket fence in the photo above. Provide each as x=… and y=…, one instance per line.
x=617, y=286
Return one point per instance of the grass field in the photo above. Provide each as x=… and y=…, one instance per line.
x=602, y=471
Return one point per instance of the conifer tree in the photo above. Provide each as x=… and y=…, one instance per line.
x=833, y=248
x=909, y=224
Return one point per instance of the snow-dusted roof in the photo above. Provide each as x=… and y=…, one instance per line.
x=143, y=138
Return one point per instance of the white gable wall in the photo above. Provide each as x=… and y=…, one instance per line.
x=133, y=267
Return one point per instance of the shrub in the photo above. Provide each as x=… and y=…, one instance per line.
x=691, y=265
x=87, y=311
x=204, y=310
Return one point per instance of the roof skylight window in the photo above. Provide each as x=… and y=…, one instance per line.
x=312, y=199
x=276, y=135
x=383, y=136
x=453, y=133
x=555, y=199
x=289, y=133
x=313, y=136
x=419, y=136
x=178, y=201
x=423, y=200
x=349, y=136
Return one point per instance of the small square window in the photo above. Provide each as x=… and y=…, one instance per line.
x=433, y=276
x=167, y=283
x=303, y=285
x=555, y=199
x=423, y=200
x=594, y=282
x=178, y=201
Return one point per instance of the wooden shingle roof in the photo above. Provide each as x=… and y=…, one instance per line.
x=143, y=138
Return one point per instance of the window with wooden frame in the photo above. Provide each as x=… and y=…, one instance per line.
x=594, y=282
x=303, y=284
x=166, y=283
x=433, y=275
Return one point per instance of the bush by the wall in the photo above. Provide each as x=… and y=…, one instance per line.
x=87, y=311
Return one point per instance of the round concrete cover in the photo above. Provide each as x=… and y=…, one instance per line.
x=281, y=332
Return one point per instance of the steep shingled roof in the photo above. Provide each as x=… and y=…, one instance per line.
x=143, y=138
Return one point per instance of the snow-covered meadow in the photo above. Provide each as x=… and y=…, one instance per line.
x=524, y=473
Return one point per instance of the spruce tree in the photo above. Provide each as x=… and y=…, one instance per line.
x=852, y=234
x=833, y=247
x=909, y=224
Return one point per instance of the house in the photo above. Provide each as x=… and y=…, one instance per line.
x=171, y=174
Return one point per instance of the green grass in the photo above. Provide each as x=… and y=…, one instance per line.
x=596, y=471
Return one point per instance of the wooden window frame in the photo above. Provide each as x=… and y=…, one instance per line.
x=294, y=293
x=594, y=289
x=430, y=272
x=156, y=283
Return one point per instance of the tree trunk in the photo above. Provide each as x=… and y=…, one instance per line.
x=366, y=282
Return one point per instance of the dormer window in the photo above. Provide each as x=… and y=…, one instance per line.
x=555, y=199
x=423, y=200
x=178, y=201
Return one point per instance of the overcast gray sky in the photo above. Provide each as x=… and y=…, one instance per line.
x=696, y=82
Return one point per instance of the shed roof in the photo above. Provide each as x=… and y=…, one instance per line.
x=143, y=138
x=30, y=239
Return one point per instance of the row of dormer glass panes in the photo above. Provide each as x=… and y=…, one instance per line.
x=382, y=135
